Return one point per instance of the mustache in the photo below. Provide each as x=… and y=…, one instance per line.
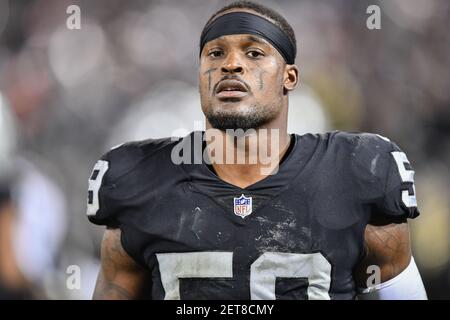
x=231, y=77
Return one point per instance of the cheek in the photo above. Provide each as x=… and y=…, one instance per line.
x=267, y=80
x=277, y=71
x=204, y=85
x=207, y=78
x=202, y=81
x=273, y=71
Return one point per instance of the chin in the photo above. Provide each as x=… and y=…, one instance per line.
x=233, y=105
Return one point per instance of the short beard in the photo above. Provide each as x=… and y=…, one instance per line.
x=255, y=118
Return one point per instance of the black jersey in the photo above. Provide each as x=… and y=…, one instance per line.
x=297, y=234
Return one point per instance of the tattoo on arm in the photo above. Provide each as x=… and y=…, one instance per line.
x=387, y=246
x=120, y=276
x=109, y=290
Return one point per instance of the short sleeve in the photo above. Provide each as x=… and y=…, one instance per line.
x=384, y=175
x=107, y=190
x=399, y=197
x=101, y=208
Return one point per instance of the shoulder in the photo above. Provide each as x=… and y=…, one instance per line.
x=344, y=148
x=122, y=174
x=359, y=141
x=126, y=157
x=372, y=168
x=369, y=155
x=362, y=150
x=381, y=171
x=348, y=141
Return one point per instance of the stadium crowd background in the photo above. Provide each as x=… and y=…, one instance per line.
x=131, y=73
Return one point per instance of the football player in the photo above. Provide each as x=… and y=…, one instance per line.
x=330, y=222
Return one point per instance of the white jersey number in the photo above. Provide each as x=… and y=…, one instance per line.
x=263, y=271
x=406, y=175
x=95, y=182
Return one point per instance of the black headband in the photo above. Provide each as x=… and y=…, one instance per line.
x=247, y=23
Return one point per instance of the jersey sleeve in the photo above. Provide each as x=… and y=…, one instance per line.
x=119, y=182
x=386, y=176
x=109, y=186
x=399, y=196
x=101, y=208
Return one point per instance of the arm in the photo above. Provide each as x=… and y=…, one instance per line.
x=388, y=246
x=120, y=277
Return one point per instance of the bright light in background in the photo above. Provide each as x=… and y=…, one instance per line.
x=149, y=38
x=167, y=107
x=41, y=221
x=306, y=113
x=7, y=138
x=75, y=54
x=412, y=14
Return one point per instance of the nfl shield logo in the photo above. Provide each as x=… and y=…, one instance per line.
x=242, y=206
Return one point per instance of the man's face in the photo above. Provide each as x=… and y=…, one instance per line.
x=241, y=82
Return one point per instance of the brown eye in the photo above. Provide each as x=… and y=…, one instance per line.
x=215, y=53
x=254, y=54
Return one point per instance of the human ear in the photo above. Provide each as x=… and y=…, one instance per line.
x=291, y=77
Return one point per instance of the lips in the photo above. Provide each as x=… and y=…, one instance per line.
x=231, y=89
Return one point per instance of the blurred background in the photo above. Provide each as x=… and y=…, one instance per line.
x=130, y=72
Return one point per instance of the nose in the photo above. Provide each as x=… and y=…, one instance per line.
x=232, y=65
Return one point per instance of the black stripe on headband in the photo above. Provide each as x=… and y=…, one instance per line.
x=247, y=23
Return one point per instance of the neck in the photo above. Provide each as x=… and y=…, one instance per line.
x=243, y=159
